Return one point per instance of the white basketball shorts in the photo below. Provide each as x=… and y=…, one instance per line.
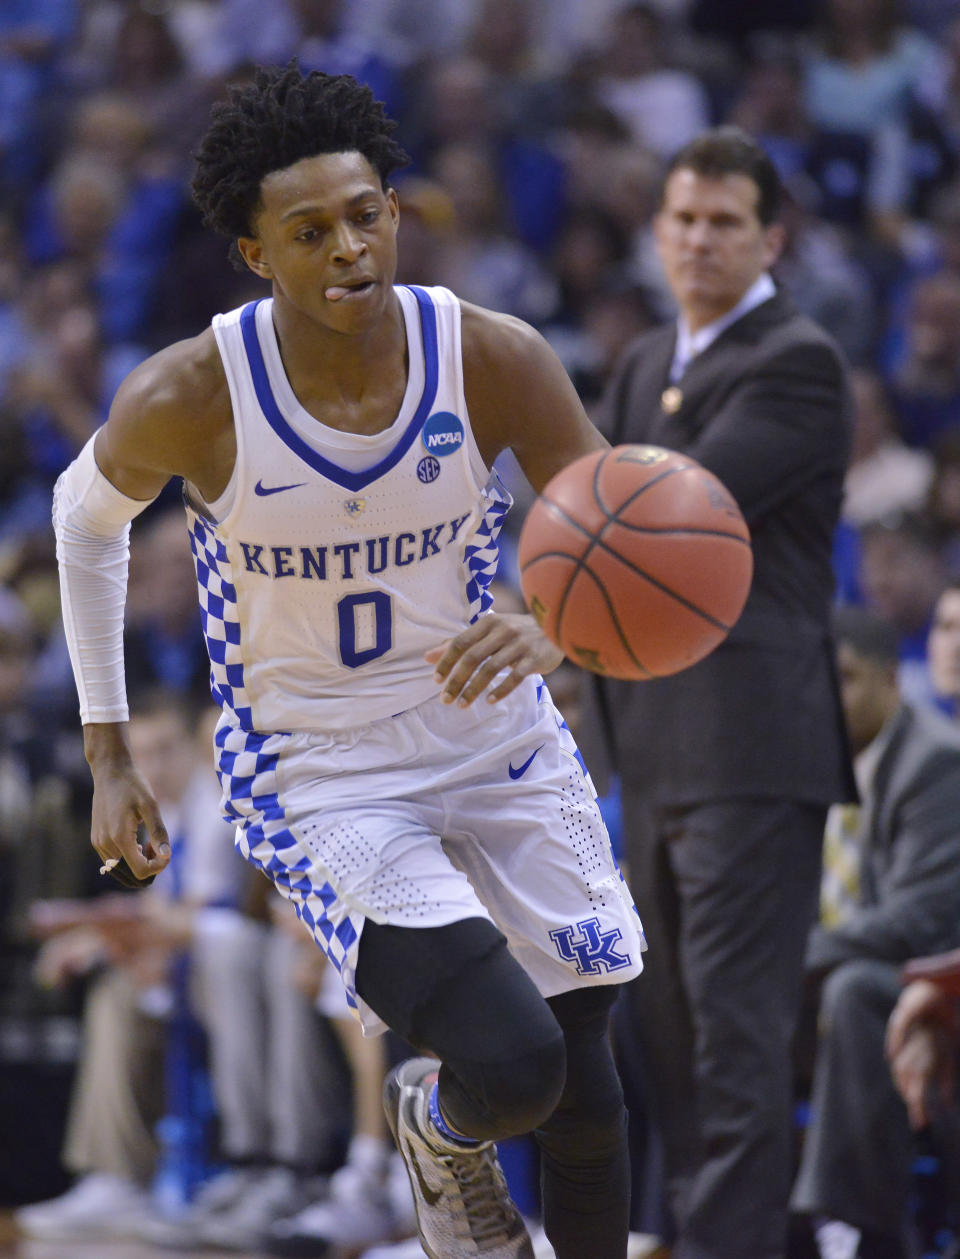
x=432, y=816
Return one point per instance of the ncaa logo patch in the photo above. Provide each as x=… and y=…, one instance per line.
x=428, y=469
x=442, y=433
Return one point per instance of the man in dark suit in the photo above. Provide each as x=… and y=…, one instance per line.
x=854, y=1172
x=728, y=767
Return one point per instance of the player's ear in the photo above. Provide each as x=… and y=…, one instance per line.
x=251, y=251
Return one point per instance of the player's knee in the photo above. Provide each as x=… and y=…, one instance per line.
x=512, y=1095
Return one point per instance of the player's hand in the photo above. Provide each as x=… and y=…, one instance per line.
x=467, y=664
x=127, y=831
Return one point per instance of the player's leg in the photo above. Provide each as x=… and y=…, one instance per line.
x=585, y=1164
x=456, y=992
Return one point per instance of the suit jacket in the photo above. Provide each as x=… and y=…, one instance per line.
x=910, y=860
x=766, y=408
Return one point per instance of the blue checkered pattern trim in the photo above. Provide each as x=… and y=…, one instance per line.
x=247, y=765
x=482, y=552
x=219, y=615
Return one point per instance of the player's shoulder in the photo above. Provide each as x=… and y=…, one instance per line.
x=499, y=344
x=185, y=378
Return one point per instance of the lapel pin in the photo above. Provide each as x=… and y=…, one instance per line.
x=671, y=400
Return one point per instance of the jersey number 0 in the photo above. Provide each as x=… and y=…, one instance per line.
x=366, y=617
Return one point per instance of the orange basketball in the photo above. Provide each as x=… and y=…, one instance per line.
x=635, y=561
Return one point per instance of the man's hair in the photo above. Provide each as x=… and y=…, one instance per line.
x=275, y=120
x=869, y=635
x=731, y=151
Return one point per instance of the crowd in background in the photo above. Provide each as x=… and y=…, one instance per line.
x=537, y=131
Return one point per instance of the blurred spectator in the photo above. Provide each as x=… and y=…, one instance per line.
x=663, y=107
x=127, y=944
x=902, y=571
x=480, y=260
x=944, y=647
x=32, y=32
x=162, y=643
x=505, y=37
x=884, y=476
x=902, y=856
x=323, y=41
x=456, y=103
x=427, y=220
x=926, y=384
x=109, y=207
x=943, y=499
x=826, y=282
x=861, y=77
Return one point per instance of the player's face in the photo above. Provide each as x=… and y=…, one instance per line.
x=943, y=645
x=711, y=242
x=326, y=237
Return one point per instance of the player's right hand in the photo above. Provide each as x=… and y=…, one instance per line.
x=127, y=831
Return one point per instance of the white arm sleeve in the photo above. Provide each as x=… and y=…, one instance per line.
x=91, y=519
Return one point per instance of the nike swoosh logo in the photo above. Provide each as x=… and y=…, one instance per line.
x=263, y=490
x=522, y=769
x=430, y=1196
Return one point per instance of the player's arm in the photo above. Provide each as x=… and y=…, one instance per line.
x=150, y=435
x=518, y=396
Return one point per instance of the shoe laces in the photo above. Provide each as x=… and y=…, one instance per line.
x=483, y=1192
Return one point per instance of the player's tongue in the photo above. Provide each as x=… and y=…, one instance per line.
x=337, y=291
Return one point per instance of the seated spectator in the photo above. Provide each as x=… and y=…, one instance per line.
x=861, y=75
x=32, y=33
x=885, y=476
x=663, y=106
x=891, y=890
x=824, y=278
x=454, y=103
x=901, y=572
x=161, y=643
x=258, y=1026
x=943, y=646
x=126, y=945
x=926, y=383
x=481, y=260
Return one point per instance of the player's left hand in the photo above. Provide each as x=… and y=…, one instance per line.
x=467, y=664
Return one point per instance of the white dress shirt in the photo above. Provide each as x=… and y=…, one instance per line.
x=690, y=344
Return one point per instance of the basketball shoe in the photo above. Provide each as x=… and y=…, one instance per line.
x=462, y=1202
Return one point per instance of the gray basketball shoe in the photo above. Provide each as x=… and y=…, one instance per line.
x=462, y=1202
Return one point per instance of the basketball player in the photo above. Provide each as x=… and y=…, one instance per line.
x=387, y=744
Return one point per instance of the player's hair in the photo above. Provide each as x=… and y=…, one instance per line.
x=731, y=151
x=869, y=635
x=275, y=120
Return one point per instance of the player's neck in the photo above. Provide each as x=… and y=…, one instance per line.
x=325, y=365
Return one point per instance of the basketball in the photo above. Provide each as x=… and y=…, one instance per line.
x=635, y=561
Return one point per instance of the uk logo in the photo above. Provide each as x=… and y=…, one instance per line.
x=443, y=433
x=428, y=469
x=354, y=506
x=593, y=950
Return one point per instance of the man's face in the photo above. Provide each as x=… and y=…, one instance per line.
x=943, y=645
x=868, y=690
x=326, y=237
x=164, y=751
x=711, y=242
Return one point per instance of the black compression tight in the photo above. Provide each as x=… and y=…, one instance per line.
x=514, y=1063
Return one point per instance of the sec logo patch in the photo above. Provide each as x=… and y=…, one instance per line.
x=443, y=433
x=428, y=469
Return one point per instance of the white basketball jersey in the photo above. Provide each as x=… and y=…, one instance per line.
x=334, y=560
